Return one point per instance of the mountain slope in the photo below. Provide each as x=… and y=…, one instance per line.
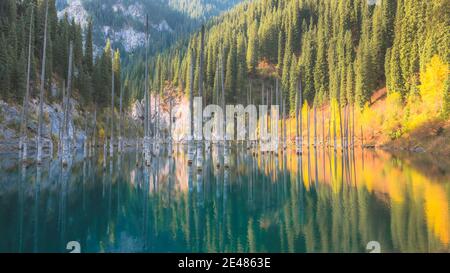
x=123, y=21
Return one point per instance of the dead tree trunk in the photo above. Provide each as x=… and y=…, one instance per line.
x=315, y=126
x=299, y=118
x=41, y=92
x=111, y=142
x=94, y=138
x=61, y=124
x=334, y=128
x=191, y=109
x=66, y=143
x=24, y=126
x=200, y=77
x=323, y=126
x=340, y=126
x=120, y=120
x=353, y=125
x=147, y=140
x=308, y=124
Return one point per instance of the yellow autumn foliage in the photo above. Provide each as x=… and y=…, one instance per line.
x=429, y=103
x=432, y=88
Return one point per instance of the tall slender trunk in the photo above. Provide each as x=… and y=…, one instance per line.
x=191, y=94
x=315, y=126
x=334, y=128
x=323, y=126
x=24, y=126
x=284, y=121
x=66, y=144
x=61, y=125
x=146, y=114
x=95, y=127
x=85, y=145
x=329, y=127
x=299, y=117
x=41, y=92
x=277, y=102
x=120, y=120
x=340, y=126
x=222, y=84
x=170, y=119
x=200, y=93
x=353, y=125
x=308, y=122
x=111, y=142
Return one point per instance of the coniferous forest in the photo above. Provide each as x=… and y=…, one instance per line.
x=92, y=75
x=103, y=148
x=341, y=52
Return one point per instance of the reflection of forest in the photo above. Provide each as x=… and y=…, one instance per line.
x=336, y=204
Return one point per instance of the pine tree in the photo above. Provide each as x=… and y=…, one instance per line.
x=88, y=50
x=5, y=67
x=252, y=49
x=293, y=85
x=231, y=74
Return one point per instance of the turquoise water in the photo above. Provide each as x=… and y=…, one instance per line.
x=321, y=202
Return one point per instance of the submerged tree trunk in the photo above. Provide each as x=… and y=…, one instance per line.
x=111, y=142
x=66, y=144
x=86, y=143
x=340, y=126
x=200, y=93
x=308, y=124
x=94, y=138
x=41, y=92
x=315, y=126
x=323, y=126
x=24, y=125
x=146, y=142
x=191, y=109
x=61, y=124
x=120, y=120
x=284, y=122
x=353, y=125
x=299, y=118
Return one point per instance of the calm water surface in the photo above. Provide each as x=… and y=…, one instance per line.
x=320, y=202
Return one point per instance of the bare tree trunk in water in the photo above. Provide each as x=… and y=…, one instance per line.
x=86, y=143
x=94, y=138
x=147, y=115
x=299, y=118
x=120, y=120
x=284, y=122
x=329, y=127
x=315, y=126
x=61, y=123
x=308, y=125
x=24, y=125
x=323, y=126
x=334, y=128
x=261, y=117
x=362, y=138
x=65, y=143
x=353, y=125
x=41, y=92
x=111, y=142
x=191, y=109
x=340, y=127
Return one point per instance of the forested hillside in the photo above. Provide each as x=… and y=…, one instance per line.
x=340, y=51
x=92, y=76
